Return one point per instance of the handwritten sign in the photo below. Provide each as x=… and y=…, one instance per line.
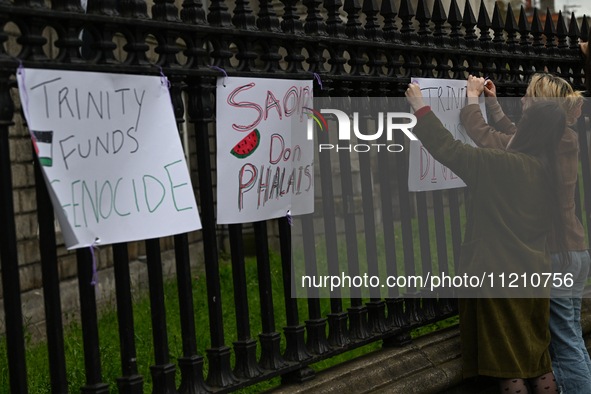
x=111, y=155
x=265, y=162
x=446, y=98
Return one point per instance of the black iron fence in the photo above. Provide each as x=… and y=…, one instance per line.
x=376, y=57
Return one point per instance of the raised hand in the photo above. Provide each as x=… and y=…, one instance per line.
x=475, y=86
x=414, y=96
x=490, y=92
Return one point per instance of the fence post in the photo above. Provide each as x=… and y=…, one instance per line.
x=201, y=113
x=245, y=347
x=89, y=322
x=163, y=371
x=51, y=285
x=15, y=341
x=270, y=339
x=338, y=335
x=130, y=382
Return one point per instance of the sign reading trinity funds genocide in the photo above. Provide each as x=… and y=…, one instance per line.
x=111, y=155
x=446, y=97
x=265, y=162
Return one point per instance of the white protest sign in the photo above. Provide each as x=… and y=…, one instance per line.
x=446, y=97
x=265, y=162
x=111, y=155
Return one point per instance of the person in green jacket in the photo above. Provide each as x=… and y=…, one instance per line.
x=508, y=222
x=570, y=359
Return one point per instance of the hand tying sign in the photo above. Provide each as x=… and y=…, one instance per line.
x=414, y=96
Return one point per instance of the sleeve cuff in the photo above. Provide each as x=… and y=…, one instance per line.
x=422, y=111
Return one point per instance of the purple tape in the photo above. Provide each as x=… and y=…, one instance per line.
x=289, y=219
x=317, y=77
x=222, y=70
x=95, y=278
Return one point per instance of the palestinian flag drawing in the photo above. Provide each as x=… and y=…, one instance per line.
x=44, y=147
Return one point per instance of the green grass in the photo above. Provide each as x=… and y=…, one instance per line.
x=37, y=355
x=383, y=267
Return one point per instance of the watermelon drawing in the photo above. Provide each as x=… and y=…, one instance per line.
x=248, y=145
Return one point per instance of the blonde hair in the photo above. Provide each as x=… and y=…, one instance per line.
x=552, y=88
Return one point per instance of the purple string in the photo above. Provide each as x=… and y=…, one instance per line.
x=222, y=70
x=95, y=278
x=20, y=62
x=289, y=219
x=21, y=71
x=317, y=77
x=165, y=80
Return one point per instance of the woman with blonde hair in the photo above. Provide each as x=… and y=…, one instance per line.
x=570, y=359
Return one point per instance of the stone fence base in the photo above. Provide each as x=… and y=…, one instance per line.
x=431, y=364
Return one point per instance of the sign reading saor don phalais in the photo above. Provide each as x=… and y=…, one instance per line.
x=111, y=155
x=265, y=162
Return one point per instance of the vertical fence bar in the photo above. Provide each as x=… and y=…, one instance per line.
x=162, y=371
x=536, y=32
x=200, y=110
x=376, y=306
x=412, y=307
x=130, y=382
x=429, y=307
x=525, y=39
x=51, y=286
x=358, y=329
x=295, y=343
x=245, y=347
x=454, y=219
x=89, y=322
x=296, y=348
x=456, y=231
x=316, y=324
x=406, y=306
x=395, y=312
x=190, y=364
x=15, y=341
x=440, y=37
x=270, y=339
x=442, y=258
x=337, y=319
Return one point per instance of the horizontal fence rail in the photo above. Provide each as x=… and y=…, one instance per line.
x=358, y=50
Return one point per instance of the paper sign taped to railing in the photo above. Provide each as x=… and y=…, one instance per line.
x=111, y=155
x=446, y=97
x=265, y=156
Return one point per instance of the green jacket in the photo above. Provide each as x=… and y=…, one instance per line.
x=507, y=226
x=506, y=232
